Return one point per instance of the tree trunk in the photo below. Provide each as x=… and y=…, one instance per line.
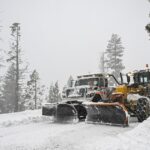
x=35, y=95
x=17, y=72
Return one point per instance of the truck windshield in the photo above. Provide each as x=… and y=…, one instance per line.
x=90, y=82
x=142, y=78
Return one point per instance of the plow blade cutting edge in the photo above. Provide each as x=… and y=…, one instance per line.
x=107, y=113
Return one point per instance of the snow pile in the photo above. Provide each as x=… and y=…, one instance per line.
x=24, y=117
x=137, y=138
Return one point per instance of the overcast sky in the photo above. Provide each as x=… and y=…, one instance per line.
x=65, y=37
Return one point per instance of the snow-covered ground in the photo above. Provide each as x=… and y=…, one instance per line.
x=24, y=117
x=30, y=130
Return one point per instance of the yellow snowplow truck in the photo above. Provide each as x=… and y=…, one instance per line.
x=127, y=98
x=135, y=94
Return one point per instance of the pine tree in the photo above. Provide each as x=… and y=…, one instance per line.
x=9, y=96
x=15, y=58
x=54, y=93
x=147, y=27
x=51, y=94
x=57, y=92
x=34, y=79
x=34, y=92
x=114, y=53
x=102, y=63
x=70, y=81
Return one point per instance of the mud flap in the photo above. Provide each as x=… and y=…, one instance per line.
x=107, y=113
x=66, y=113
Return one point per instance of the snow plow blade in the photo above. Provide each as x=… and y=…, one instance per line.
x=61, y=112
x=66, y=113
x=107, y=113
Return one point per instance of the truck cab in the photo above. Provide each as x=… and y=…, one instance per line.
x=86, y=85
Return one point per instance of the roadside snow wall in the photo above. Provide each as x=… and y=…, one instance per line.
x=24, y=117
x=137, y=139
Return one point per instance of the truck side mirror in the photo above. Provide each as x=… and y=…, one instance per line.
x=121, y=78
x=128, y=78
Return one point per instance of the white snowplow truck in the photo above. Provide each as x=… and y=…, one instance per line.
x=81, y=102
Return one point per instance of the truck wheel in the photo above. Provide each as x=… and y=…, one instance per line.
x=142, y=110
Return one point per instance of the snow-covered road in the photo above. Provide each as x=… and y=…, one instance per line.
x=56, y=136
x=45, y=135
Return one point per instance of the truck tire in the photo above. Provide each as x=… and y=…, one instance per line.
x=142, y=109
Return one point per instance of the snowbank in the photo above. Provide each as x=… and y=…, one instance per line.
x=137, y=138
x=24, y=117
